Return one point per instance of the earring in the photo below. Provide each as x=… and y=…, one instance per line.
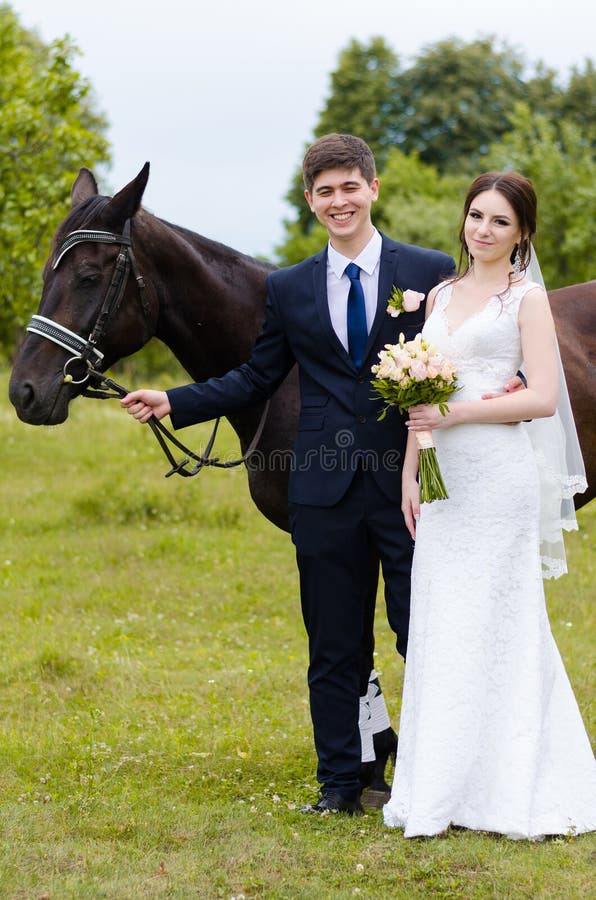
x=517, y=260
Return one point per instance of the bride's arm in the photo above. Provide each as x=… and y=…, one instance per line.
x=410, y=498
x=539, y=400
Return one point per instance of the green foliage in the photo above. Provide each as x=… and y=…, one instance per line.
x=562, y=167
x=362, y=95
x=576, y=103
x=48, y=129
x=454, y=101
x=299, y=244
x=418, y=205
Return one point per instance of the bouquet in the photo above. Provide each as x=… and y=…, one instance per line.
x=408, y=374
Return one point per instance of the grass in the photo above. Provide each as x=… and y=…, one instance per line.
x=155, y=735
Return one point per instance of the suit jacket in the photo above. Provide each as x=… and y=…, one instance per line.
x=338, y=416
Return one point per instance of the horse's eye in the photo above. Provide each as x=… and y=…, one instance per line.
x=88, y=279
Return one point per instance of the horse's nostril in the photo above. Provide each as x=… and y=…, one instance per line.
x=26, y=394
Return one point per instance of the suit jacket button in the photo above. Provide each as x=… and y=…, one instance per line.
x=362, y=419
x=360, y=379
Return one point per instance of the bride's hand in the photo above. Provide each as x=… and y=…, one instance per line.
x=410, y=504
x=424, y=418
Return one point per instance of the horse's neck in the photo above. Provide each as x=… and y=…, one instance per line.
x=211, y=299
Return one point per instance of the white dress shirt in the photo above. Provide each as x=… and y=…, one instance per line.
x=338, y=284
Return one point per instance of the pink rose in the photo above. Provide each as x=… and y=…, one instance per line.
x=412, y=300
x=418, y=370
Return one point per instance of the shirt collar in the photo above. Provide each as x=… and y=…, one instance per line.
x=367, y=259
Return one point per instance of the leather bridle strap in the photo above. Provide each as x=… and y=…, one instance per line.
x=163, y=435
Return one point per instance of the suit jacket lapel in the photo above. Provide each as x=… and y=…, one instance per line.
x=388, y=266
x=322, y=304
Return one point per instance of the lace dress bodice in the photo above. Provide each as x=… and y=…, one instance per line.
x=486, y=347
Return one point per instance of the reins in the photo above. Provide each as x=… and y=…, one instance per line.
x=86, y=352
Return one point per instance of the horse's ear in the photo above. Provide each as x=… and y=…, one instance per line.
x=84, y=187
x=126, y=202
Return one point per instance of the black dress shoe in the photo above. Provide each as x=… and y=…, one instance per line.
x=334, y=802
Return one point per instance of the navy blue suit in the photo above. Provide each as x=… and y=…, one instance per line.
x=345, y=479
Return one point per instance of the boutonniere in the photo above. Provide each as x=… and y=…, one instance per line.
x=403, y=301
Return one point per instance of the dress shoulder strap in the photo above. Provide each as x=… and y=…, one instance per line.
x=443, y=293
x=522, y=289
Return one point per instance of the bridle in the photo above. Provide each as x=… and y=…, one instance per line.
x=86, y=352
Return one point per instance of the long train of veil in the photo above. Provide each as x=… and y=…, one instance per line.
x=560, y=464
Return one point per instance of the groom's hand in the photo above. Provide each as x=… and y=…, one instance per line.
x=145, y=403
x=510, y=387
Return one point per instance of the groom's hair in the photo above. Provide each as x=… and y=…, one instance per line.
x=338, y=151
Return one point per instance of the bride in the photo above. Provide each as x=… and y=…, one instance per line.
x=491, y=737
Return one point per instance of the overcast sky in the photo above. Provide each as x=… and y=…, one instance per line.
x=221, y=97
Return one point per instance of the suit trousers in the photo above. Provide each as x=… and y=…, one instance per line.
x=334, y=546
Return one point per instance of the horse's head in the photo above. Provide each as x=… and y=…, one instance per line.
x=91, y=312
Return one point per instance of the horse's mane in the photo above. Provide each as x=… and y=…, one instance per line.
x=78, y=217
x=90, y=212
x=84, y=213
x=209, y=247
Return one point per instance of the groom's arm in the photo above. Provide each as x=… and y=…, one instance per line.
x=244, y=386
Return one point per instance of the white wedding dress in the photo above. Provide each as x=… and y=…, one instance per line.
x=490, y=737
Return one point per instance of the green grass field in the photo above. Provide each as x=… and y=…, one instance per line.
x=155, y=737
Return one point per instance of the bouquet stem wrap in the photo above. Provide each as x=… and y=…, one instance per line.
x=432, y=486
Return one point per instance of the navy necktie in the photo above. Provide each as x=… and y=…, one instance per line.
x=357, y=331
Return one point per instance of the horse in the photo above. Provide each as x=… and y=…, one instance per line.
x=205, y=301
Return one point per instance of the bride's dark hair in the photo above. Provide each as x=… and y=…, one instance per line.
x=520, y=194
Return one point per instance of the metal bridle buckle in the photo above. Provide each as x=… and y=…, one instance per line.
x=68, y=379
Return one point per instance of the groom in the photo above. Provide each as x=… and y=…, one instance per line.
x=328, y=315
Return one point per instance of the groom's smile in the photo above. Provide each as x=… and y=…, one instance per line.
x=341, y=199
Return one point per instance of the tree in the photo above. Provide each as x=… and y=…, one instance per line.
x=455, y=100
x=418, y=205
x=48, y=129
x=562, y=168
x=578, y=101
x=363, y=96
x=362, y=102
